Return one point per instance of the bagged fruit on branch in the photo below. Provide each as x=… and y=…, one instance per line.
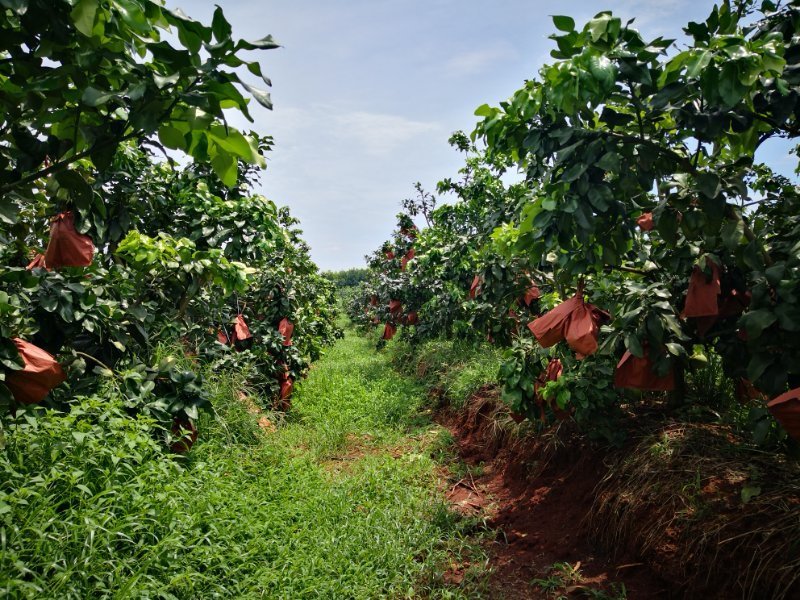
x=389, y=331
x=702, y=296
x=637, y=373
x=40, y=374
x=531, y=294
x=286, y=329
x=404, y=261
x=395, y=307
x=242, y=338
x=412, y=318
x=67, y=247
x=389, y=254
x=222, y=338
x=475, y=288
x=786, y=410
x=574, y=321
x=373, y=301
x=185, y=430
x=645, y=222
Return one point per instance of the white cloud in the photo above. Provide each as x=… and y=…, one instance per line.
x=380, y=134
x=477, y=61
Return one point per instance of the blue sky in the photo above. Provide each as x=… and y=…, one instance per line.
x=366, y=93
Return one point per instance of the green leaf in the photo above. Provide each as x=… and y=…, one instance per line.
x=8, y=213
x=94, y=97
x=83, y=16
x=709, y=184
x=756, y=321
x=261, y=96
x=172, y=137
x=220, y=26
x=226, y=168
x=564, y=23
x=265, y=43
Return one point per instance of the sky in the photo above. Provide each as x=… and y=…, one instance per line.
x=367, y=92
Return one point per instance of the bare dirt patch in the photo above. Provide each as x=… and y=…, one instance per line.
x=535, y=495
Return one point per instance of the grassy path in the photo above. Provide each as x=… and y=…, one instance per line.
x=344, y=500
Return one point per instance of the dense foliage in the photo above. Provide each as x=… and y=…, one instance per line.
x=91, y=94
x=643, y=193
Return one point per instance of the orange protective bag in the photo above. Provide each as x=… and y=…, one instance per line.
x=241, y=333
x=286, y=329
x=581, y=330
x=37, y=263
x=412, y=318
x=786, y=410
x=40, y=374
x=637, y=373
x=404, y=261
x=67, y=247
x=221, y=337
x=475, y=288
x=549, y=328
x=186, y=432
x=645, y=222
x=389, y=254
x=395, y=307
x=531, y=294
x=388, y=331
x=702, y=296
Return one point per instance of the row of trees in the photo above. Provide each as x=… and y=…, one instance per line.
x=642, y=195
x=109, y=249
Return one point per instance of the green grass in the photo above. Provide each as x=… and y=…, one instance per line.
x=456, y=369
x=344, y=500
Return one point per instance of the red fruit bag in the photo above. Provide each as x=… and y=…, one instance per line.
x=637, y=373
x=37, y=263
x=645, y=222
x=701, y=298
x=287, y=387
x=475, y=288
x=786, y=410
x=67, y=247
x=395, y=307
x=388, y=331
x=186, y=431
x=221, y=337
x=531, y=294
x=242, y=337
x=404, y=261
x=412, y=318
x=373, y=301
x=549, y=329
x=389, y=254
x=286, y=328
x=40, y=374
x=581, y=330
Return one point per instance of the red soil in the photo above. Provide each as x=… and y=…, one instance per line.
x=536, y=500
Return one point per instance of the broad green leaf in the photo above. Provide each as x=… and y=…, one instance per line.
x=564, y=23
x=226, y=168
x=172, y=137
x=261, y=96
x=83, y=16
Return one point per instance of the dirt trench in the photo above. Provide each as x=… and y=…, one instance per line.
x=536, y=497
